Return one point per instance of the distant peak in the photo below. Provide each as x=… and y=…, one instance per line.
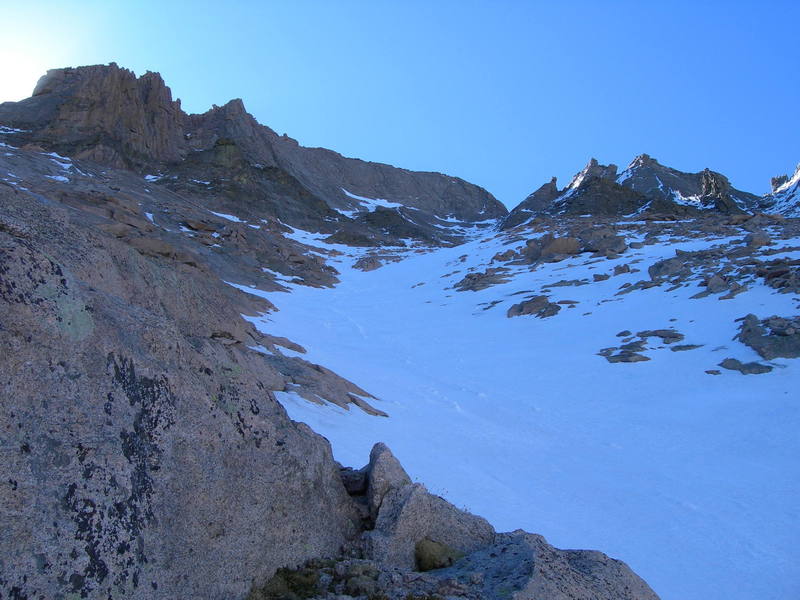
x=778, y=182
x=593, y=170
x=231, y=107
x=783, y=182
x=714, y=184
x=547, y=188
x=643, y=160
x=55, y=79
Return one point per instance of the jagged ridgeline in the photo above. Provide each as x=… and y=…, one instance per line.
x=644, y=187
x=648, y=189
x=144, y=452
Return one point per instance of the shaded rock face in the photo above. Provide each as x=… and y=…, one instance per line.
x=717, y=193
x=108, y=115
x=695, y=191
x=538, y=202
x=599, y=196
x=592, y=192
x=103, y=114
x=593, y=170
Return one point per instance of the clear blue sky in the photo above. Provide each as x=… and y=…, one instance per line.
x=503, y=94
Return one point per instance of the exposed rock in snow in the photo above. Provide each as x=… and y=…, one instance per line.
x=773, y=337
x=538, y=306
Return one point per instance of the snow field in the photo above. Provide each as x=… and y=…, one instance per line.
x=690, y=478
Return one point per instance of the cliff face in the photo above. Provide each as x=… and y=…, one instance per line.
x=103, y=114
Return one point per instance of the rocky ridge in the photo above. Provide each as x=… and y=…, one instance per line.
x=644, y=187
x=106, y=115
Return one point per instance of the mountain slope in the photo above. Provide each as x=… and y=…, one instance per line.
x=107, y=115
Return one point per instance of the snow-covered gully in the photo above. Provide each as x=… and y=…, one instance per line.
x=689, y=477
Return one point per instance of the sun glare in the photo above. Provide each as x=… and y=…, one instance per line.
x=19, y=74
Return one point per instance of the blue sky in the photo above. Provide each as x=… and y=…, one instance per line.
x=504, y=94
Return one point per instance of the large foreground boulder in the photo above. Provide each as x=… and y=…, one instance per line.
x=411, y=515
x=407, y=519
x=523, y=566
x=383, y=474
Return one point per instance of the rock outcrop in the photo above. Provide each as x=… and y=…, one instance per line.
x=405, y=514
x=539, y=306
x=537, y=203
x=418, y=545
x=775, y=337
x=592, y=170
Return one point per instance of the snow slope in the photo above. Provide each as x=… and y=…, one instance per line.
x=786, y=198
x=692, y=479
